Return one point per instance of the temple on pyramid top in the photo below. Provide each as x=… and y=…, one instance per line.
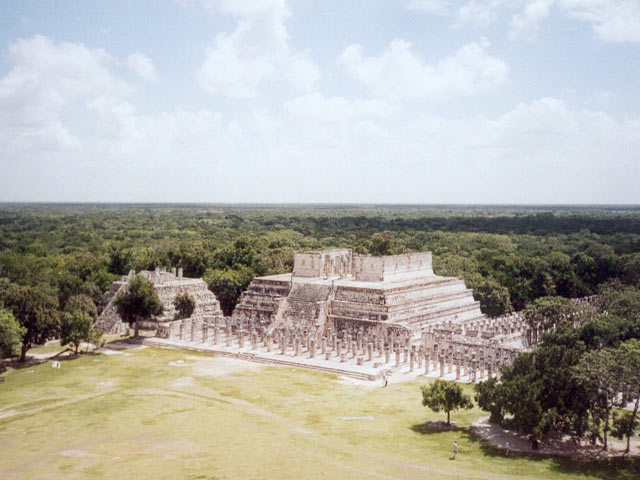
x=341, y=290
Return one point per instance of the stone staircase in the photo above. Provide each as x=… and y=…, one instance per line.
x=261, y=302
x=109, y=321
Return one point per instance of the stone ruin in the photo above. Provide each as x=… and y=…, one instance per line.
x=357, y=315
x=167, y=285
x=339, y=290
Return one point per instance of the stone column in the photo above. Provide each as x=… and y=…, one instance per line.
x=338, y=347
x=267, y=342
x=474, y=367
x=369, y=352
x=297, y=345
x=182, y=330
x=457, y=368
x=420, y=356
x=397, y=357
x=412, y=358
x=426, y=363
x=324, y=345
x=406, y=354
x=312, y=348
x=386, y=355
x=241, y=338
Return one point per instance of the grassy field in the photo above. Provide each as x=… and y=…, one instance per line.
x=164, y=414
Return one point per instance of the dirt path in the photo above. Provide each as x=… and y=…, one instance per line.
x=497, y=437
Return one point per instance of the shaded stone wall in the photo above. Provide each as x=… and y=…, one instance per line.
x=167, y=285
x=324, y=264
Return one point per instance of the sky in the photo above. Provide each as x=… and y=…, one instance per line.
x=326, y=101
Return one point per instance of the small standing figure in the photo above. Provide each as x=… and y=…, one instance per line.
x=386, y=379
x=455, y=449
x=506, y=448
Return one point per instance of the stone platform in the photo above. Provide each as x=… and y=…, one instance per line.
x=357, y=364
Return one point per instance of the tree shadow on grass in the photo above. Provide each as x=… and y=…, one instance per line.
x=430, y=428
x=611, y=468
x=606, y=468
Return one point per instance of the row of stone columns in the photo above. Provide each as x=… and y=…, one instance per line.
x=445, y=358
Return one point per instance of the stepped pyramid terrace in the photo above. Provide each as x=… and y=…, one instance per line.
x=355, y=315
x=167, y=285
x=339, y=290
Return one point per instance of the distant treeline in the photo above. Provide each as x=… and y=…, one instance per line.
x=510, y=255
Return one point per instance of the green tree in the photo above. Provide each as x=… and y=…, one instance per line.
x=36, y=312
x=11, y=333
x=493, y=297
x=446, y=396
x=384, y=244
x=119, y=260
x=138, y=302
x=625, y=424
x=76, y=328
x=228, y=285
x=83, y=303
x=628, y=354
x=603, y=373
x=546, y=312
x=184, y=305
x=80, y=313
x=489, y=399
x=620, y=300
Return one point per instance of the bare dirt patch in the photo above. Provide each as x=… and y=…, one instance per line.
x=220, y=366
x=498, y=437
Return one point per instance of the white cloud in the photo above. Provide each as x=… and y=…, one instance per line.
x=612, y=20
x=434, y=7
x=48, y=82
x=70, y=130
x=257, y=51
x=526, y=24
x=616, y=21
x=337, y=109
x=398, y=73
x=479, y=13
x=143, y=66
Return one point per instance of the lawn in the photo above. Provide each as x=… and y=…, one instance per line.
x=165, y=414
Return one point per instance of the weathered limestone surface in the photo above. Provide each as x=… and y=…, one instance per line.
x=367, y=315
x=345, y=291
x=167, y=285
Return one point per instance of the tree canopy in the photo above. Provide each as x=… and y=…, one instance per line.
x=445, y=396
x=36, y=312
x=574, y=380
x=11, y=333
x=184, y=304
x=138, y=302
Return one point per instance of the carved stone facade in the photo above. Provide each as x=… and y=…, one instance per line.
x=341, y=290
x=167, y=285
x=354, y=315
